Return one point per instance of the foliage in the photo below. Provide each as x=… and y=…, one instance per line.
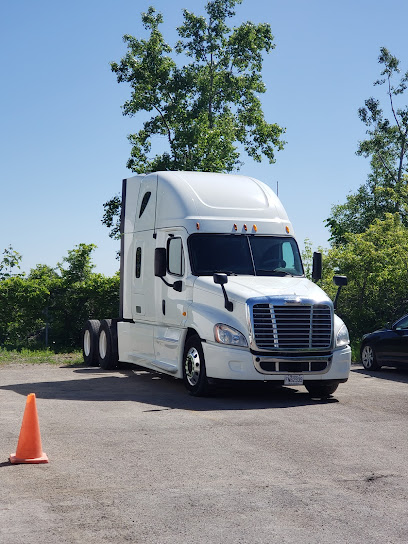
x=11, y=259
x=111, y=215
x=204, y=109
x=376, y=264
x=386, y=188
x=58, y=300
x=307, y=257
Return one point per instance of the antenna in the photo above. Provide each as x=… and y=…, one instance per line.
x=277, y=188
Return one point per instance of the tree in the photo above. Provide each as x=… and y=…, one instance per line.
x=11, y=260
x=205, y=109
x=386, y=188
x=376, y=264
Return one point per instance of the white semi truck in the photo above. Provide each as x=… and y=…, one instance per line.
x=212, y=288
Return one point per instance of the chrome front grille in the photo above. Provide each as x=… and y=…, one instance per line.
x=292, y=326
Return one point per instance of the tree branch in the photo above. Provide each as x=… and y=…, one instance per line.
x=392, y=174
x=401, y=160
x=392, y=105
x=166, y=124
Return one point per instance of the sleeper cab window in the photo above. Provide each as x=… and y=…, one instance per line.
x=175, y=257
x=144, y=203
x=138, y=262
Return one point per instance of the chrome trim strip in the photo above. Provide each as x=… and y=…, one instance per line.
x=303, y=359
x=258, y=361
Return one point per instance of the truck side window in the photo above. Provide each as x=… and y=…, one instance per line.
x=175, y=256
x=138, y=262
x=144, y=203
x=288, y=255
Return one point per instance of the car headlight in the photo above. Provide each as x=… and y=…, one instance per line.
x=342, y=338
x=227, y=335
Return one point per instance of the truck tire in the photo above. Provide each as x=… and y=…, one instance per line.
x=194, y=373
x=108, y=345
x=321, y=390
x=90, y=342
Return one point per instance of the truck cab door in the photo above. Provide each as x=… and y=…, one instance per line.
x=171, y=304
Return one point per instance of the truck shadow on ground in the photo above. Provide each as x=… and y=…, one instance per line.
x=158, y=391
x=385, y=373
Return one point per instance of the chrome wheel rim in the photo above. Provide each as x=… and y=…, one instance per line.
x=192, y=366
x=367, y=357
x=87, y=343
x=103, y=343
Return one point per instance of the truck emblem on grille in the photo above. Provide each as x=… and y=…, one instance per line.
x=292, y=300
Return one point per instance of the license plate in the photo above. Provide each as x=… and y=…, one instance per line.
x=294, y=379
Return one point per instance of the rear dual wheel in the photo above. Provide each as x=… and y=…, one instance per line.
x=90, y=342
x=108, y=345
x=100, y=343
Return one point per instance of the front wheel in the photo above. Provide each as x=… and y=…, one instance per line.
x=321, y=390
x=369, y=358
x=194, y=373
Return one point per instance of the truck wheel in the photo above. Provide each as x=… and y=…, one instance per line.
x=108, y=345
x=321, y=390
x=194, y=373
x=368, y=358
x=90, y=342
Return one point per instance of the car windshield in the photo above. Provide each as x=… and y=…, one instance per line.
x=242, y=254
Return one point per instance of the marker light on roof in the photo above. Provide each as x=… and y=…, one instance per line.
x=287, y=229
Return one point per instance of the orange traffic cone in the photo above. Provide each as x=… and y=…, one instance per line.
x=29, y=449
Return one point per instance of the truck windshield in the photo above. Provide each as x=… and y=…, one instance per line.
x=244, y=255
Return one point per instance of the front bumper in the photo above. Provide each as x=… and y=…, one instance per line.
x=228, y=363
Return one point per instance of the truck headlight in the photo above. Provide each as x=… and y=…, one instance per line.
x=342, y=338
x=227, y=335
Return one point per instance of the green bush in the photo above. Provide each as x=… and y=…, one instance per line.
x=53, y=304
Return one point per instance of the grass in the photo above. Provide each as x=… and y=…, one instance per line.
x=26, y=356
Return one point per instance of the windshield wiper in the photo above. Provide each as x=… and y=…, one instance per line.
x=228, y=272
x=262, y=272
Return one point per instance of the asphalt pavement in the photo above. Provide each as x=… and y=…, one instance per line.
x=134, y=458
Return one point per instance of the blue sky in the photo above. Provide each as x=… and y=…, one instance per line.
x=63, y=137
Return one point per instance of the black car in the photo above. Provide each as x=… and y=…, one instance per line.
x=387, y=346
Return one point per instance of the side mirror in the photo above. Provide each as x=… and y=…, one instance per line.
x=178, y=286
x=160, y=262
x=317, y=266
x=340, y=281
x=220, y=279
